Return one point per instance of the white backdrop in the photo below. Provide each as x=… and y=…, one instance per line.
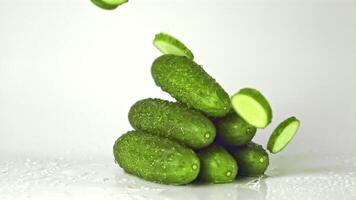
x=70, y=71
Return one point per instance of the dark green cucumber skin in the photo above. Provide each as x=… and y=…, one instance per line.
x=172, y=120
x=156, y=159
x=248, y=158
x=188, y=83
x=215, y=163
x=233, y=130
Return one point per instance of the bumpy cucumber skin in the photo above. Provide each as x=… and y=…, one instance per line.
x=277, y=132
x=232, y=130
x=252, y=159
x=107, y=6
x=156, y=159
x=188, y=83
x=172, y=120
x=260, y=98
x=217, y=165
x=174, y=41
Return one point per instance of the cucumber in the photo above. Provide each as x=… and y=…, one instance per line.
x=188, y=83
x=168, y=44
x=252, y=160
x=156, y=159
x=253, y=107
x=232, y=130
x=172, y=120
x=283, y=134
x=108, y=4
x=217, y=165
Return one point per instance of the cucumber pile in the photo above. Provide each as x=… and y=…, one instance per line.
x=205, y=135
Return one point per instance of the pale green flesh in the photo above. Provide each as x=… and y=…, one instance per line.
x=250, y=110
x=114, y=2
x=168, y=48
x=285, y=136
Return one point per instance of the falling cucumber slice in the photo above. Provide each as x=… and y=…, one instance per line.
x=108, y=4
x=253, y=107
x=283, y=134
x=167, y=44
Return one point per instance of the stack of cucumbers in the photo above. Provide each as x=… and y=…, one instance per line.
x=205, y=135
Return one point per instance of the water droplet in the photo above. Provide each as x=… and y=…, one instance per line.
x=207, y=135
x=228, y=173
x=170, y=157
x=194, y=167
x=262, y=160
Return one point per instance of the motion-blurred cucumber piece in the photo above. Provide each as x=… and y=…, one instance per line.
x=283, y=134
x=156, y=159
x=253, y=107
x=108, y=4
x=233, y=130
x=217, y=165
x=168, y=44
x=252, y=160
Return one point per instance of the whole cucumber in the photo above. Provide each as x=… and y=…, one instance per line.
x=156, y=159
x=172, y=120
x=252, y=160
x=217, y=165
x=188, y=83
x=233, y=130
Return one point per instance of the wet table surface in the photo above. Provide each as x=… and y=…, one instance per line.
x=67, y=177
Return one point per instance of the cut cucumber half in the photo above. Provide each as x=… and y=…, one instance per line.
x=253, y=107
x=167, y=44
x=283, y=134
x=108, y=4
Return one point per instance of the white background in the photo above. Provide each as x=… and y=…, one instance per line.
x=69, y=72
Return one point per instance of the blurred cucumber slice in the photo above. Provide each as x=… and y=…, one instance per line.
x=168, y=44
x=283, y=134
x=108, y=4
x=253, y=107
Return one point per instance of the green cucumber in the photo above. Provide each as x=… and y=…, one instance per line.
x=283, y=134
x=156, y=159
x=168, y=44
x=252, y=160
x=253, y=107
x=217, y=165
x=188, y=83
x=108, y=4
x=232, y=130
x=172, y=120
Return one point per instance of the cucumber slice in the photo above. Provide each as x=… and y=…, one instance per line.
x=253, y=107
x=283, y=134
x=167, y=44
x=108, y=4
